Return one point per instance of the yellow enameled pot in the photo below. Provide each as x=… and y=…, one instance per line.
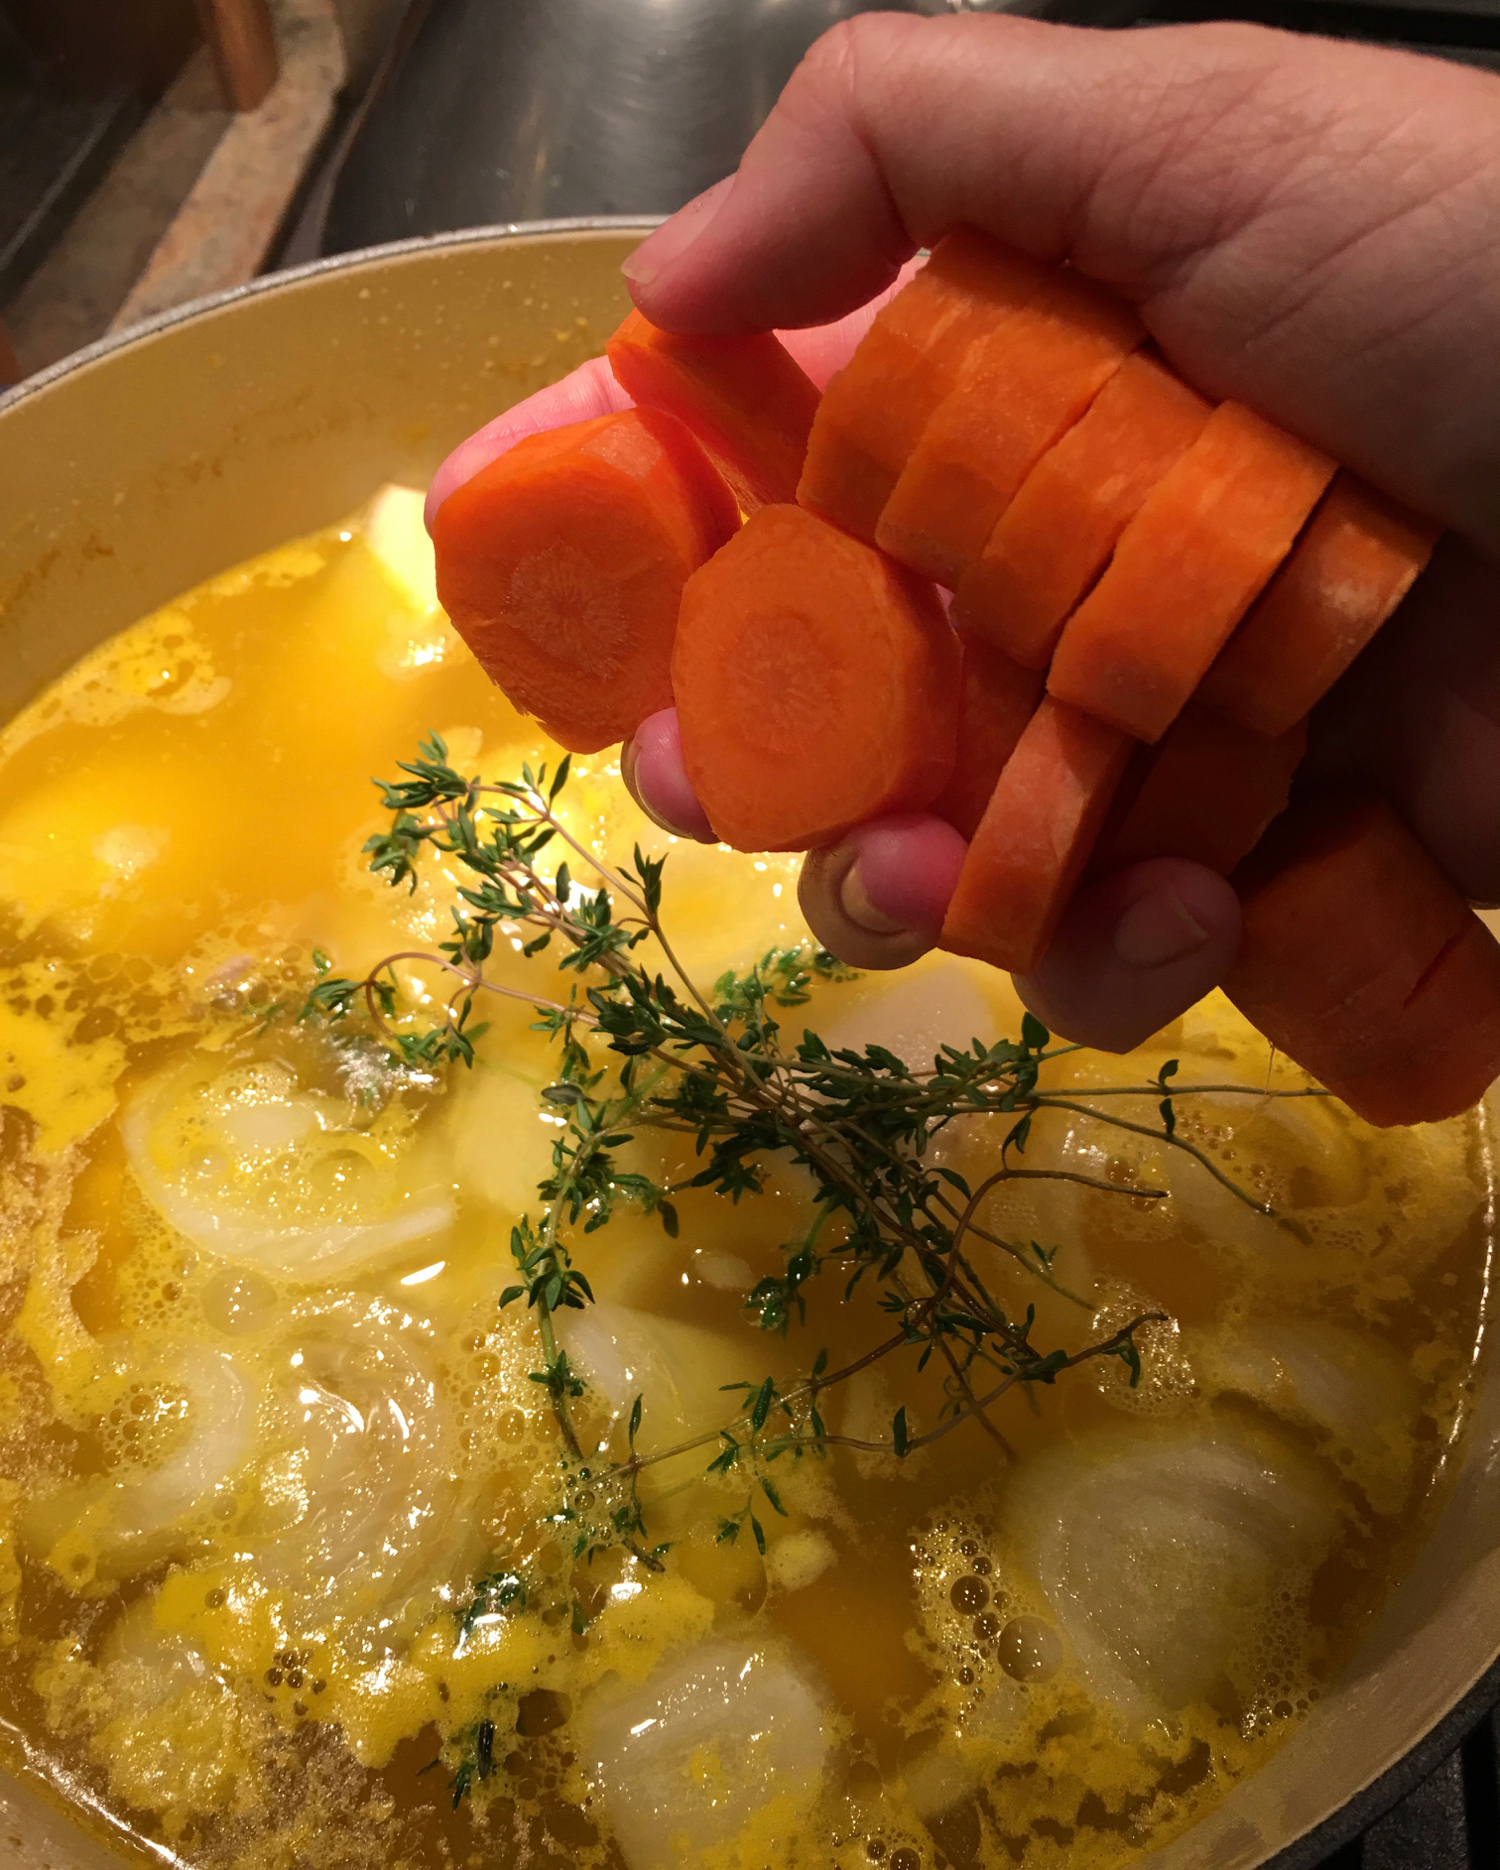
x=141, y=466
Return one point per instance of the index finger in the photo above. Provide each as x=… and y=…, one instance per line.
x=1303, y=224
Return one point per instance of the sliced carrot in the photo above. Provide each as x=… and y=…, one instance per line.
x=562, y=565
x=1035, y=837
x=1055, y=536
x=814, y=683
x=1207, y=791
x=1022, y=386
x=1352, y=566
x=996, y=700
x=746, y=399
x=1360, y=960
x=1185, y=570
x=874, y=409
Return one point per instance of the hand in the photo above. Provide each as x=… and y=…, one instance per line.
x=1304, y=226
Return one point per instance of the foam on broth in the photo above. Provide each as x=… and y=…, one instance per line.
x=264, y=1422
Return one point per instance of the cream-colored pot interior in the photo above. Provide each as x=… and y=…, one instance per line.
x=143, y=467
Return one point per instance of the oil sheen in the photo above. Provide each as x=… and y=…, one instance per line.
x=264, y=1423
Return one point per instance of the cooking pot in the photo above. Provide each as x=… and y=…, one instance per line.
x=144, y=464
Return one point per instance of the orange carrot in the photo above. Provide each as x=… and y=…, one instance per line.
x=1360, y=960
x=996, y=700
x=562, y=565
x=1022, y=386
x=814, y=683
x=1185, y=570
x=874, y=409
x=747, y=401
x=1035, y=837
x=1352, y=566
x=1206, y=791
x=1055, y=536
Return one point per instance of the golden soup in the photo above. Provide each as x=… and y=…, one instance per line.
x=290, y=1576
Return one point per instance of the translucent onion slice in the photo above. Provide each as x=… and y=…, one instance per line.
x=933, y=1004
x=122, y=1523
x=355, y=1470
x=221, y=1420
x=1167, y=1559
x=145, y=1666
x=694, y=1752
x=245, y=1161
x=1354, y=1389
x=677, y=1369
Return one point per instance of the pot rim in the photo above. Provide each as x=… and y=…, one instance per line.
x=312, y=269
x=1371, y=1802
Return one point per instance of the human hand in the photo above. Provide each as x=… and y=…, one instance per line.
x=1303, y=226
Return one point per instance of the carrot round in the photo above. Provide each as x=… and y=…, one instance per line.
x=815, y=684
x=1022, y=386
x=1035, y=837
x=746, y=399
x=874, y=409
x=1207, y=791
x=562, y=565
x=997, y=697
x=1185, y=570
x=1352, y=566
x=1055, y=536
x=1360, y=960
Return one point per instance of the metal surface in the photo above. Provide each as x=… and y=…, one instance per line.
x=513, y=109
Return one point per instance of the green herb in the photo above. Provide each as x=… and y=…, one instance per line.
x=643, y=1047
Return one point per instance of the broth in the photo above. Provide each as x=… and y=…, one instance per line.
x=267, y=1421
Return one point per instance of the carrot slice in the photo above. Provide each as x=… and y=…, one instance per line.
x=1360, y=960
x=562, y=565
x=996, y=700
x=1035, y=837
x=874, y=409
x=1055, y=536
x=1350, y=569
x=814, y=683
x=1206, y=791
x=1021, y=388
x=746, y=399
x=1185, y=570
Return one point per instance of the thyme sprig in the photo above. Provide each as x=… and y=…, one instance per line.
x=640, y=1045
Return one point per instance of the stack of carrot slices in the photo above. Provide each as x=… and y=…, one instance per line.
x=1150, y=594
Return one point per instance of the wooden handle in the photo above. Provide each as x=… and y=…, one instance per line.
x=243, y=43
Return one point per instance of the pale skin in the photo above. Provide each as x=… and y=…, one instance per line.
x=1306, y=226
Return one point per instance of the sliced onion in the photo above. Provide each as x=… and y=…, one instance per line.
x=925, y=1007
x=1347, y=1384
x=703, y=1745
x=221, y=1416
x=1163, y=1555
x=677, y=1369
x=127, y=1521
x=246, y=1163
x=356, y=1472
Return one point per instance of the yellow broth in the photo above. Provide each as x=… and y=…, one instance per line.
x=266, y=1422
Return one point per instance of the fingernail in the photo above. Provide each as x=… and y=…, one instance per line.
x=1156, y=930
x=628, y=760
x=672, y=239
x=854, y=900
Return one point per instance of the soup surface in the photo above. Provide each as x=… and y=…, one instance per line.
x=296, y=1568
